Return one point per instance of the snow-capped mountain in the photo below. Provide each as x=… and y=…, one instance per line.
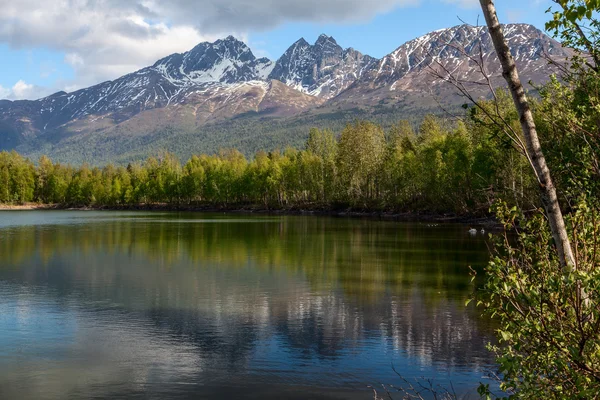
x=420, y=64
x=226, y=61
x=452, y=47
x=218, y=81
x=209, y=69
x=324, y=69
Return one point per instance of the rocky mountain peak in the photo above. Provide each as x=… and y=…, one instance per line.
x=300, y=43
x=323, y=69
x=326, y=47
x=227, y=61
x=452, y=48
x=207, y=53
x=326, y=41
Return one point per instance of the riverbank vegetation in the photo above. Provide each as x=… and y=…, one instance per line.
x=543, y=286
x=440, y=166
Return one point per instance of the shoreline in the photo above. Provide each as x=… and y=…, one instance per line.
x=410, y=216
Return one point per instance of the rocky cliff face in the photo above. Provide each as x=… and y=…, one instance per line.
x=323, y=69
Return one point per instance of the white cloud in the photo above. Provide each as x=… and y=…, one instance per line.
x=23, y=90
x=4, y=92
x=74, y=59
x=103, y=39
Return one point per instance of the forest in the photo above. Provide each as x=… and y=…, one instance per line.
x=443, y=165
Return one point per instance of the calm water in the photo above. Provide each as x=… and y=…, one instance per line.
x=167, y=305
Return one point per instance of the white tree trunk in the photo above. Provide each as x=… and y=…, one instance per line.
x=534, y=149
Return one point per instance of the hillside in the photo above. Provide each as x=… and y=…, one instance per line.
x=220, y=95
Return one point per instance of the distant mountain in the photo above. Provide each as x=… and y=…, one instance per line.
x=203, y=96
x=323, y=69
x=411, y=68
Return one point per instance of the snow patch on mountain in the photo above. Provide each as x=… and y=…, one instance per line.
x=454, y=50
x=324, y=69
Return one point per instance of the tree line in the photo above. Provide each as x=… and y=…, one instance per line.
x=441, y=166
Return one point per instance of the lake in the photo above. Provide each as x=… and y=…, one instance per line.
x=189, y=305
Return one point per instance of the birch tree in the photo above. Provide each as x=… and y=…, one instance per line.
x=533, y=147
x=545, y=294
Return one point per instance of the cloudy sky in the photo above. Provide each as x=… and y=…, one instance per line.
x=52, y=45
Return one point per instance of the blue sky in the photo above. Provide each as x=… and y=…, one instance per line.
x=74, y=44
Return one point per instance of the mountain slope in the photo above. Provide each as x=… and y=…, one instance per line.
x=413, y=68
x=199, y=96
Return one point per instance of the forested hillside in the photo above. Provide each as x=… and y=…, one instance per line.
x=248, y=133
x=442, y=166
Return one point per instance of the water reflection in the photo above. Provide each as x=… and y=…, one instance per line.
x=126, y=304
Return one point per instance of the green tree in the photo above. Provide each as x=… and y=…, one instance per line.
x=193, y=180
x=544, y=287
x=322, y=143
x=360, y=154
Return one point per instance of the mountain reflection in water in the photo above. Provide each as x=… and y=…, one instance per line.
x=167, y=305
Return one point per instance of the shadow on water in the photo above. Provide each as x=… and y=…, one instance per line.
x=104, y=304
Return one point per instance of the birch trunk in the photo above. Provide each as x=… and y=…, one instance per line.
x=534, y=149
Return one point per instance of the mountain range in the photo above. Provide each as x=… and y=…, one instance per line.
x=221, y=95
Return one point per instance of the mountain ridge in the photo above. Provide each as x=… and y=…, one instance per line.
x=215, y=82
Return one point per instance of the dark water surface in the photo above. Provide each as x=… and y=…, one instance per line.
x=176, y=305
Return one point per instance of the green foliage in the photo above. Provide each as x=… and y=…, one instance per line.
x=568, y=125
x=569, y=117
x=576, y=24
x=359, y=159
x=442, y=168
x=549, y=315
x=549, y=335
x=319, y=163
x=134, y=142
x=17, y=178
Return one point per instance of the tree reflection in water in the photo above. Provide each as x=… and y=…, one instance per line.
x=133, y=303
